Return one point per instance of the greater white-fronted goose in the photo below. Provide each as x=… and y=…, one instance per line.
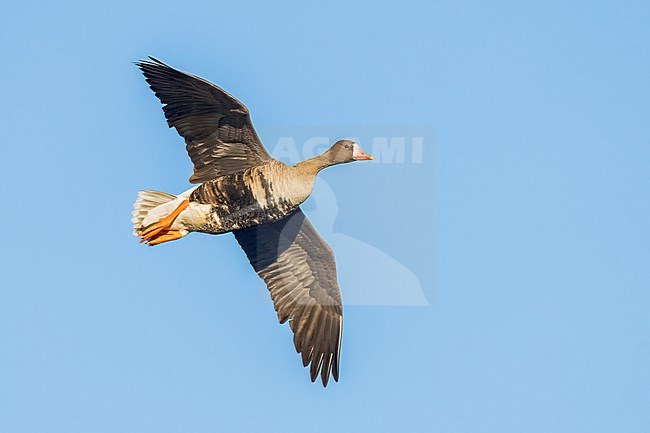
x=245, y=191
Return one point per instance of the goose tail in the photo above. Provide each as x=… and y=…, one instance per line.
x=146, y=201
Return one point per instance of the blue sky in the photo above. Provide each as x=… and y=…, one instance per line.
x=524, y=225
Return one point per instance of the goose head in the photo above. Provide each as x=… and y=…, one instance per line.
x=346, y=151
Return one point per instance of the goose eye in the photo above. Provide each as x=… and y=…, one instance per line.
x=347, y=146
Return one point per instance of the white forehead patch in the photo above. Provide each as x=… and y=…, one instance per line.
x=356, y=150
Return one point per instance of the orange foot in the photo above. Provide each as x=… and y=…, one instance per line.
x=152, y=231
x=165, y=236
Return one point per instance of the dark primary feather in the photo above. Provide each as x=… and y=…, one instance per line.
x=299, y=270
x=219, y=136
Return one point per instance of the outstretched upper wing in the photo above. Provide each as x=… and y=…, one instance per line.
x=216, y=127
x=299, y=269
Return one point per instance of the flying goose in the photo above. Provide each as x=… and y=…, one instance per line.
x=243, y=190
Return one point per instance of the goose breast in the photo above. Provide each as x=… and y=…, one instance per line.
x=257, y=195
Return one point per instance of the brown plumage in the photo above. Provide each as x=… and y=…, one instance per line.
x=245, y=191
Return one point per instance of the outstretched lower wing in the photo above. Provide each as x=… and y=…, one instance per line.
x=217, y=128
x=299, y=270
